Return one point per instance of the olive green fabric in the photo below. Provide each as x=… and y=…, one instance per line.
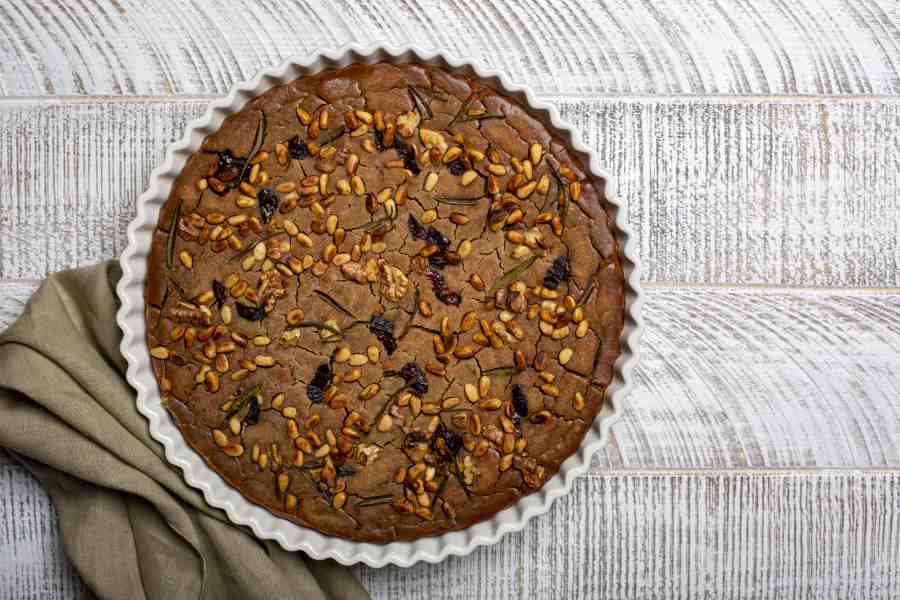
x=130, y=524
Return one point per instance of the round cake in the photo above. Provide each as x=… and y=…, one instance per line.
x=384, y=301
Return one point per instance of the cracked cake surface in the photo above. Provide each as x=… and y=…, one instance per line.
x=384, y=301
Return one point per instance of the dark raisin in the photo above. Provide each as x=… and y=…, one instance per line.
x=379, y=140
x=408, y=155
x=558, y=272
x=437, y=261
x=230, y=167
x=315, y=390
x=251, y=313
x=297, y=148
x=220, y=292
x=519, y=400
x=433, y=236
x=315, y=395
x=268, y=202
x=441, y=290
x=252, y=416
x=384, y=331
x=445, y=442
x=456, y=168
x=416, y=229
x=415, y=379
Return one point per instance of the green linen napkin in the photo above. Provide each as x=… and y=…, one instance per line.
x=130, y=524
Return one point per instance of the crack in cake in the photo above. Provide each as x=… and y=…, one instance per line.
x=384, y=301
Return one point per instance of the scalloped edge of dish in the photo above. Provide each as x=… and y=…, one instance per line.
x=198, y=474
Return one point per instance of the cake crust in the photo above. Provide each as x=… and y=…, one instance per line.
x=384, y=301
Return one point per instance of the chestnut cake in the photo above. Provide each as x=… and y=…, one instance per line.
x=384, y=301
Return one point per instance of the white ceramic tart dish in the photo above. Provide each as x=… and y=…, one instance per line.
x=198, y=473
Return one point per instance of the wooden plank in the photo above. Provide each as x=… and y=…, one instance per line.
x=749, y=378
x=722, y=190
x=691, y=535
x=619, y=534
x=624, y=47
x=33, y=564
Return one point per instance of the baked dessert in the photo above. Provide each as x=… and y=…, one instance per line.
x=384, y=301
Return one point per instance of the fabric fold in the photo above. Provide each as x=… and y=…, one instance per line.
x=130, y=524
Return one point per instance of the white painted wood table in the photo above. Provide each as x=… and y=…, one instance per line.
x=758, y=143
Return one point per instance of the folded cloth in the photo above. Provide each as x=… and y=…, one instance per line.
x=130, y=524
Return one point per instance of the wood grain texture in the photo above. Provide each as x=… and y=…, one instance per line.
x=694, y=535
x=556, y=46
x=764, y=188
x=33, y=565
x=722, y=190
x=751, y=378
x=618, y=535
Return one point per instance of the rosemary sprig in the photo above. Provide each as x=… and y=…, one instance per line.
x=586, y=295
x=462, y=110
x=387, y=404
x=435, y=92
x=564, y=207
x=503, y=371
x=170, y=241
x=237, y=406
x=327, y=299
x=181, y=293
x=370, y=226
x=421, y=106
x=257, y=143
x=315, y=464
x=330, y=135
x=515, y=272
x=482, y=117
x=375, y=500
x=459, y=200
x=250, y=247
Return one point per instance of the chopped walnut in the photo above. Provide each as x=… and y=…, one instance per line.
x=467, y=470
x=533, y=474
x=369, y=451
x=393, y=283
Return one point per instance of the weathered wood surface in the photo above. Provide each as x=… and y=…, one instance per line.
x=722, y=190
x=556, y=46
x=619, y=534
x=792, y=184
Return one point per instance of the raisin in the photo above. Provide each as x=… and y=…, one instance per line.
x=438, y=261
x=415, y=379
x=416, y=229
x=297, y=148
x=445, y=442
x=252, y=416
x=230, y=167
x=443, y=293
x=558, y=272
x=379, y=140
x=315, y=390
x=268, y=201
x=408, y=155
x=251, y=313
x=456, y=168
x=519, y=400
x=220, y=292
x=384, y=331
x=433, y=236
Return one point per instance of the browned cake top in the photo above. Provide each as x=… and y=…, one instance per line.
x=384, y=302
